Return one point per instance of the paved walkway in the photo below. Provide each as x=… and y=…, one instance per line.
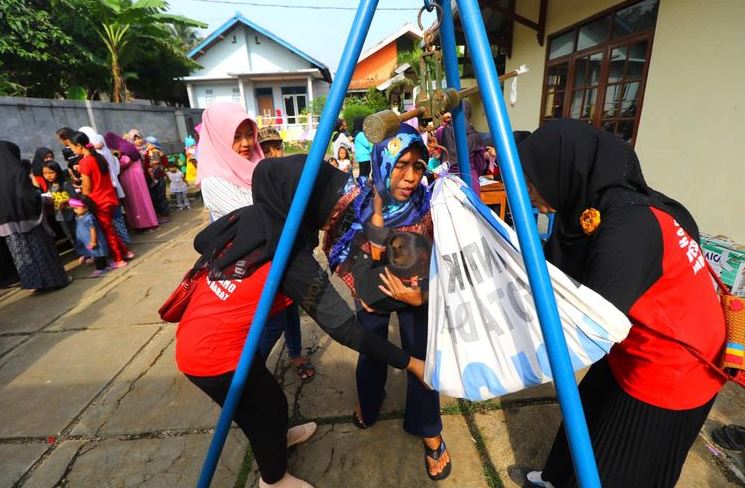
x=90, y=396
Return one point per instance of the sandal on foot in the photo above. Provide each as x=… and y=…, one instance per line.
x=436, y=454
x=730, y=437
x=300, y=433
x=357, y=421
x=305, y=371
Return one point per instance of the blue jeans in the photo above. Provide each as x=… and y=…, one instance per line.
x=287, y=321
x=422, y=413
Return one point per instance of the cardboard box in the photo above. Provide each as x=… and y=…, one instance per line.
x=728, y=259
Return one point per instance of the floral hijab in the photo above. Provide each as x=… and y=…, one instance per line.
x=396, y=214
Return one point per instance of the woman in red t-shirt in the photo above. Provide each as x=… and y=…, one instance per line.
x=237, y=249
x=646, y=402
x=98, y=187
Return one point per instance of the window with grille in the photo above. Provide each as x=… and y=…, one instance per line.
x=596, y=70
x=295, y=101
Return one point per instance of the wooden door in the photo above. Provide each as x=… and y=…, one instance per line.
x=266, y=106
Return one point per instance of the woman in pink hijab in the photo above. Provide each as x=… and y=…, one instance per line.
x=228, y=154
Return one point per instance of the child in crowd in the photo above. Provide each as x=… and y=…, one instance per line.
x=178, y=186
x=271, y=142
x=343, y=159
x=89, y=234
x=345, y=164
x=60, y=191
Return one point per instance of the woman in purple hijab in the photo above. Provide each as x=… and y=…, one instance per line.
x=137, y=202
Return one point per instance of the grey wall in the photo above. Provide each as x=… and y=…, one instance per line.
x=33, y=122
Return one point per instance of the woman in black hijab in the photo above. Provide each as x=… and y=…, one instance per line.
x=647, y=400
x=33, y=251
x=237, y=250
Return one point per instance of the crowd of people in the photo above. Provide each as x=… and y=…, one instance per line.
x=100, y=189
x=644, y=403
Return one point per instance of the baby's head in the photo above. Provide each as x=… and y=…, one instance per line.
x=80, y=204
x=408, y=255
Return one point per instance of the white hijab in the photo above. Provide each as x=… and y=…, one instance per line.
x=100, y=144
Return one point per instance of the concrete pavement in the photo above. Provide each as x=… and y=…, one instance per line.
x=90, y=396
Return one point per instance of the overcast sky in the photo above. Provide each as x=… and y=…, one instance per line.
x=319, y=33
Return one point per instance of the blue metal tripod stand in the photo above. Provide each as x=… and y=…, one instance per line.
x=517, y=194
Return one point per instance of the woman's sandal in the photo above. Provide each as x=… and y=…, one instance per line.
x=436, y=454
x=357, y=421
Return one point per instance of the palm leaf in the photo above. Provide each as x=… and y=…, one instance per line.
x=179, y=19
x=114, y=5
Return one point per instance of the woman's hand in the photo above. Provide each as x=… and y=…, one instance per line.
x=395, y=288
x=416, y=367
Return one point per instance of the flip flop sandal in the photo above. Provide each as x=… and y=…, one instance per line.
x=357, y=421
x=306, y=372
x=436, y=454
x=730, y=437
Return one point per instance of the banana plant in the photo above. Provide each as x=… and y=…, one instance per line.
x=123, y=22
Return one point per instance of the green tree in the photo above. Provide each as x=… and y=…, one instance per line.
x=188, y=36
x=373, y=101
x=154, y=71
x=35, y=50
x=413, y=58
x=123, y=23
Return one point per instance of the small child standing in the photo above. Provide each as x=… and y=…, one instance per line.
x=89, y=235
x=178, y=186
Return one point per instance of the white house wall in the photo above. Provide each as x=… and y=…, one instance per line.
x=224, y=56
x=221, y=91
x=320, y=88
x=268, y=56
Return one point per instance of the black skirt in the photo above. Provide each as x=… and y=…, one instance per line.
x=36, y=259
x=635, y=444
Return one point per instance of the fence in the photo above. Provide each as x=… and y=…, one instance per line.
x=292, y=128
x=33, y=122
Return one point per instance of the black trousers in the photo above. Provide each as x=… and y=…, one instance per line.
x=422, y=412
x=635, y=444
x=261, y=415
